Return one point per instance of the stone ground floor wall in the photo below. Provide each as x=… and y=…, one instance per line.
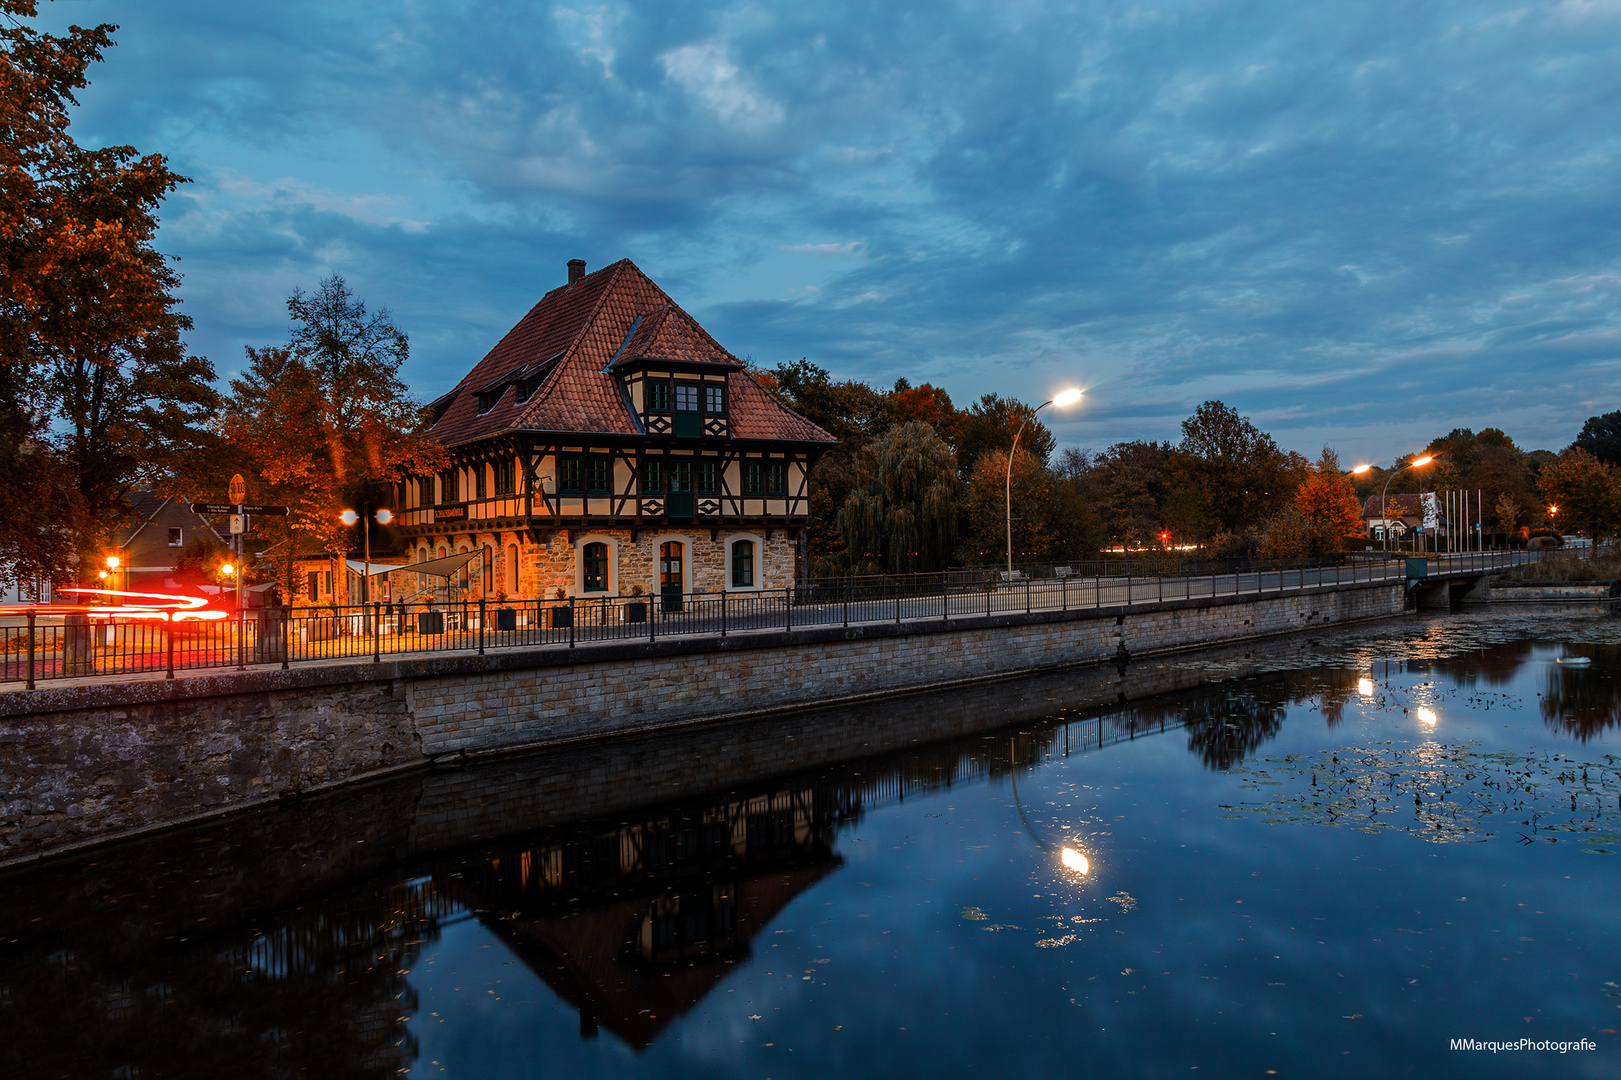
x=84, y=762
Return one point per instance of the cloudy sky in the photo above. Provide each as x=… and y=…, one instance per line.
x=1361, y=224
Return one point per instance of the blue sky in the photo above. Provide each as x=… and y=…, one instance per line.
x=1361, y=224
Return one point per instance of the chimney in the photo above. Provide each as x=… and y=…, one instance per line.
x=576, y=270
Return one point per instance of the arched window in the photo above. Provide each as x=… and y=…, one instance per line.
x=512, y=569
x=594, y=560
x=743, y=564
x=489, y=567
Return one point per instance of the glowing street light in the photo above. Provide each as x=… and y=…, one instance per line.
x=1063, y=400
x=229, y=570
x=112, y=562
x=383, y=517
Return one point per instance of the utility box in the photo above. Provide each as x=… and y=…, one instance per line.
x=1417, y=568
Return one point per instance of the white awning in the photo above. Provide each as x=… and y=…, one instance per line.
x=377, y=569
x=444, y=567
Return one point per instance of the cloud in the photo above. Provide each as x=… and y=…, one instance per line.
x=1355, y=219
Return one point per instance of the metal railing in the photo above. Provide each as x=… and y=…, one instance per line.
x=73, y=646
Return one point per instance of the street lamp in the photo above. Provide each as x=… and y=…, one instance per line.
x=1384, y=506
x=1064, y=399
x=383, y=517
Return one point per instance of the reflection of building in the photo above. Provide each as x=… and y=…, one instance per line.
x=634, y=924
x=608, y=445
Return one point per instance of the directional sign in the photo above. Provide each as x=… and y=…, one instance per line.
x=238, y=489
x=227, y=508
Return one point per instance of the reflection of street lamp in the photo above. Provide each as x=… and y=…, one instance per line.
x=1063, y=400
x=1384, y=506
x=349, y=517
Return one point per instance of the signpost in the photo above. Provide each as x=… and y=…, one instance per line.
x=241, y=513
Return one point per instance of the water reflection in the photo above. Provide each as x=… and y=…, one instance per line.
x=305, y=955
x=1583, y=702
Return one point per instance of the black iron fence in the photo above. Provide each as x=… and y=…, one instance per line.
x=40, y=648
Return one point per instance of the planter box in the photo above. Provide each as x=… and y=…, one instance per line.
x=506, y=618
x=562, y=617
x=430, y=622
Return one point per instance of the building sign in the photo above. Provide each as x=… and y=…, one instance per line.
x=450, y=513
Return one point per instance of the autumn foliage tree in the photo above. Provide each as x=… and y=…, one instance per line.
x=1326, y=499
x=89, y=333
x=317, y=421
x=1586, y=491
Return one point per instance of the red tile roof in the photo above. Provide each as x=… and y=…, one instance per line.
x=604, y=320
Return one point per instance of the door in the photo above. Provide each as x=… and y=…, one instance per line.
x=670, y=558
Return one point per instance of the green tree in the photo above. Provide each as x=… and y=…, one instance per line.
x=1233, y=471
x=1601, y=437
x=1129, y=484
x=903, y=518
x=991, y=423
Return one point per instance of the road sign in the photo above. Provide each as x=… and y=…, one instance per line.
x=239, y=523
x=227, y=508
x=238, y=489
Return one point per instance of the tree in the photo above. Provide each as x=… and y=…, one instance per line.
x=991, y=424
x=81, y=288
x=1233, y=471
x=903, y=518
x=853, y=413
x=1129, y=485
x=1326, y=499
x=987, y=510
x=1601, y=437
x=1586, y=491
x=1508, y=511
x=928, y=404
x=316, y=422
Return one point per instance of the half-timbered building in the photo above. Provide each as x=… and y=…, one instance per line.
x=607, y=445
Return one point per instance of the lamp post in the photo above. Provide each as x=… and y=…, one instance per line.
x=349, y=517
x=1384, y=505
x=1064, y=399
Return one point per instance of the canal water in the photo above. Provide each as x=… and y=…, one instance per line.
x=1319, y=858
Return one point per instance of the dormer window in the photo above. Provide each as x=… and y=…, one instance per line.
x=658, y=396
x=715, y=400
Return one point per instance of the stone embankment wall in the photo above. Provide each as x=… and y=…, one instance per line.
x=88, y=762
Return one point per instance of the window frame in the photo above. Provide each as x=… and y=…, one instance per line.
x=750, y=477
x=713, y=391
x=599, y=469
x=706, y=476
x=652, y=476
x=756, y=562
x=506, y=476
x=776, y=479
x=657, y=396
x=570, y=474
x=586, y=560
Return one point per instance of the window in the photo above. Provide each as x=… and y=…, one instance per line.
x=449, y=486
x=570, y=475
x=680, y=475
x=329, y=583
x=424, y=491
x=175, y=539
x=512, y=569
x=480, y=472
x=715, y=400
x=506, y=476
x=743, y=564
x=686, y=397
x=597, y=472
x=776, y=478
x=751, y=477
x=658, y=396
x=312, y=587
x=708, y=478
x=595, y=564
x=653, y=475
x=489, y=567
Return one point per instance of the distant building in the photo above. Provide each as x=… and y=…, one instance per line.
x=150, y=545
x=607, y=445
x=1399, y=515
